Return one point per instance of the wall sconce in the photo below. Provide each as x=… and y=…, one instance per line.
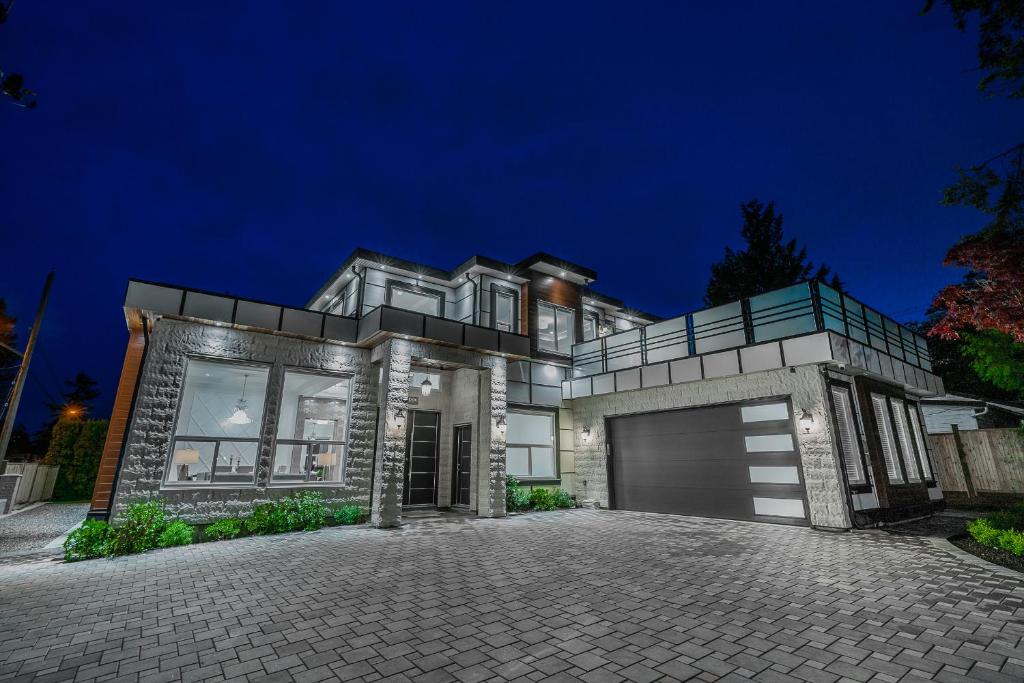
x=806, y=421
x=502, y=424
x=399, y=418
x=586, y=435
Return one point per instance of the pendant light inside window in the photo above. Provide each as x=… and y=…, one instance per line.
x=241, y=416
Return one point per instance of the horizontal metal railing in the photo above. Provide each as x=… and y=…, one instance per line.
x=794, y=311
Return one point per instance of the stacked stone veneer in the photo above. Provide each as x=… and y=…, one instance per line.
x=148, y=446
x=804, y=385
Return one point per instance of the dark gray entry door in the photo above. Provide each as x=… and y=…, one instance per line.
x=735, y=461
x=462, y=465
x=421, y=459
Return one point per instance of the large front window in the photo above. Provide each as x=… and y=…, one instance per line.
x=216, y=436
x=415, y=298
x=312, y=430
x=555, y=328
x=530, y=444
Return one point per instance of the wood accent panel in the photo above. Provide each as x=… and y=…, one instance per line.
x=524, y=308
x=120, y=417
x=543, y=287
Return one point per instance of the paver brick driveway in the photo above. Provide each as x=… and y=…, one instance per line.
x=598, y=596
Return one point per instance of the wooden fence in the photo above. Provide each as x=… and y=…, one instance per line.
x=36, y=481
x=993, y=459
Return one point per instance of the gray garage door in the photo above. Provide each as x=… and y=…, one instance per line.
x=734, y=461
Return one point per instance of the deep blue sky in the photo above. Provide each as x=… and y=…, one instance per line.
x=249, y=147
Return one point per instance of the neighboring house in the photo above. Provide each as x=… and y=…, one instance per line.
x=942, y=412
x=401, y=386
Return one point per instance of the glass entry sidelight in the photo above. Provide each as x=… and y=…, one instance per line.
x=421, y=458
x=462, y=464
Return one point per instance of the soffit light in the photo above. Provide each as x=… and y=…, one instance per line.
x=241, y=416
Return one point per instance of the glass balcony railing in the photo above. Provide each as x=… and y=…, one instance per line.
x=795, y=311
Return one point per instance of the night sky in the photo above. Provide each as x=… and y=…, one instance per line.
x=249, y=147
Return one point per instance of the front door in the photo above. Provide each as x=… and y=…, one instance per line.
x=421, y=458
x=462, y=464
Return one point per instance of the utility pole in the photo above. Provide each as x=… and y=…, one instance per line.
x=19, y=380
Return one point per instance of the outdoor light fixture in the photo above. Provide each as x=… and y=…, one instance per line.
x=806, y=421
x=426, y=387
x=586, y=435
x=240, y=416
x=502, y=424
x=399, y=418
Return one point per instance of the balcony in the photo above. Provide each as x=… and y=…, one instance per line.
x=805, y=323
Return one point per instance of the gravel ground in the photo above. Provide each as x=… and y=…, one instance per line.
x=941, y=525
x=33, y=529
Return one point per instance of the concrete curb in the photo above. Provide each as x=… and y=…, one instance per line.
x=943, y=544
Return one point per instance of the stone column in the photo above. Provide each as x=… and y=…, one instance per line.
x=389, y=459
x=491, y=443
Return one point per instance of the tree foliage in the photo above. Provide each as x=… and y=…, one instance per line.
x=76, y=446
x=79, y=392
x=997, y=359
x=766, y=262
x=955, y=366
x=1000, y=40
x=13, y=85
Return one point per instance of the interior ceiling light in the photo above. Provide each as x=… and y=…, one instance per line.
x=241, y=416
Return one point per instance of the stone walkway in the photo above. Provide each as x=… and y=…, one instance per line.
x=575, y=595
x=33, y=529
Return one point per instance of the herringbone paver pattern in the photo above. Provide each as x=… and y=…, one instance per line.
x=580, y=595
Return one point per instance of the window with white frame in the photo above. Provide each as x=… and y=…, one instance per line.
x=885, y=436
x=530, y=445
x=847, y=429
x=217, y=431
x=555, y=328
x=899, y=416
x=312, y=432
x=919, y=441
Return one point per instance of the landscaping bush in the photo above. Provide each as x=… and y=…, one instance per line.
x=517, y=499
x=266, y=518
x=986, y=533
x=139, y=529
x=562, y=499
x=90, y=540
x=176, y=533
x=223, y=529
x=309, y=511
x=541, y=499
x=349, y=514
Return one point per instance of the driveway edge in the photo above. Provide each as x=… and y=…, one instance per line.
x=943, y=544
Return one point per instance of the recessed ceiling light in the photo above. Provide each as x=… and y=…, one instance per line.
x=562, y=274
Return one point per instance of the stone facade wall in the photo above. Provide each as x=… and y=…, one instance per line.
x=819, y=456
x=171, y=344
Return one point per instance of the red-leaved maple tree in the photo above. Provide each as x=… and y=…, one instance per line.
x=992, y=297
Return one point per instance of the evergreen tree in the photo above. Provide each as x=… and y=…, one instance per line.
x=766, y=263
x=76, y=446
x=79, y=393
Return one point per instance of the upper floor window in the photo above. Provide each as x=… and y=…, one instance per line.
x=415, y=298
x=555, y=328
x=216, y=435
x=590, y=326
x=312, y=433
x=505, y=308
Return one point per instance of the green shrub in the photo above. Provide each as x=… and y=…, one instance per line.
x=223, y=529
x=138, y=529
x=349, y=514
x=984, y=532
x=90, y=540
x=520, y=501
x=1010, y=518
x=266, y=518
x=176, y=533
x=309, y=510
x=562, y=499
x=541, y=499
x=511, y=486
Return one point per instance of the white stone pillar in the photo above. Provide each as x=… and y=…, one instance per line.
x=491, y=444
x=389, y=459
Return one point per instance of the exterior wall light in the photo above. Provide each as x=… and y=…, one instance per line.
x=426, y=387
x=586, y=435
x=399, y=418
x=806, y=421
x=502, y=424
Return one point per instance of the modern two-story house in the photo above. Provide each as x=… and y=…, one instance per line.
x=401, y=386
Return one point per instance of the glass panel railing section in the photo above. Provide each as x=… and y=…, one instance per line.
x=588, y=358
x=856, y=326
x=622, y=350
x=892, y=338
x=782, y=313
x=667, y=340
x=876, y=333
x=923, y=354
x=832, y=313
x=719, y=328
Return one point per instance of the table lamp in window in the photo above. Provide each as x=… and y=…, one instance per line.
x=325, y=460
x=183, y=457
